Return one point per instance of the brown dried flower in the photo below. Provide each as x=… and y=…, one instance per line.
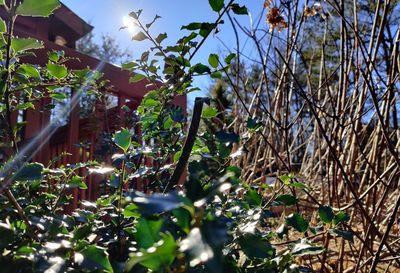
x=267, y=3
x=312, y=11
x=309, y=12
x=275, y=19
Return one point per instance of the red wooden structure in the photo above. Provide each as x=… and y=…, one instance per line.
x=60, y=32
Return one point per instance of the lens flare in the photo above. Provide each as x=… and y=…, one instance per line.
x=130, y=24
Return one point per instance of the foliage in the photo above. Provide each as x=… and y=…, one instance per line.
x=215, y=222
x=107, y=49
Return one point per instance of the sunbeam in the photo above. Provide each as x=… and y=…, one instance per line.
x=129, y=24
x=26, y=153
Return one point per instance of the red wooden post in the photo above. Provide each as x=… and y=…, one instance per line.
x=44, y=153
x=73, y=140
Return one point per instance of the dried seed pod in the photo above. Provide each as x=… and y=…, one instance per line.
x=275, y=19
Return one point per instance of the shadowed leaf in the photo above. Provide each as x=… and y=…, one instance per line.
x=93, y=258
x=29, y=172
x=156, y=203
x=216, y=5
x=326, y=214
x=123, y=139
x=298, y=222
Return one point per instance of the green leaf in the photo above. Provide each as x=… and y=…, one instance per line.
x=29, y=70
x=25, y=250
x=93, y=258
x=131, y=210
x=25, y=105
x=3, y=27
x=35, y=8
x=147, y=102
x=340, y=217
x=206, y=28
x=156, y=203
x=136, y=78
x=216, y=5
x=82, y=232
x=209, y=112
x=140, y=36
x=240, y=10
x=205, y=245
x=177, y=156
x=160, y=255
x=253, y=124
x=148, y=232
x=31, y=171
x=135, y=15
x=123, y=139
x=58, y=96
x=55, y=55
x=192, y=26
x=182, y=219
x=168, y=123
x=129, y=65
x=152, y=22
x=161, y=37
x=286, y=199
x=115, y=180
x=298, y=185
x=6, y=235
x=298, y=222
x=23, y=44
x=347, y=235
x=304, y=248
x=57, y=71
x=326, y=214
x=77, y=182
x=286, y=179
x=213, y=60
x=196, y=246
x=253, y=198
x=227, y=137
x=145, y=56
x=229, y=58
x=200, y=68
x=216, y=75
x=2, y=2
x=255, y=247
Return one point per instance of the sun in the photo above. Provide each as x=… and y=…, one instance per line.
x=129, y=24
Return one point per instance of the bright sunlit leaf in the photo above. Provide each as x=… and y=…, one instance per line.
x=23, y=44
x=38, y=8
x=57, y=71
x=213, y=60
x=3, y=27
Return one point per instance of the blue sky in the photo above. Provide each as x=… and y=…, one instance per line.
x=107, y=17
